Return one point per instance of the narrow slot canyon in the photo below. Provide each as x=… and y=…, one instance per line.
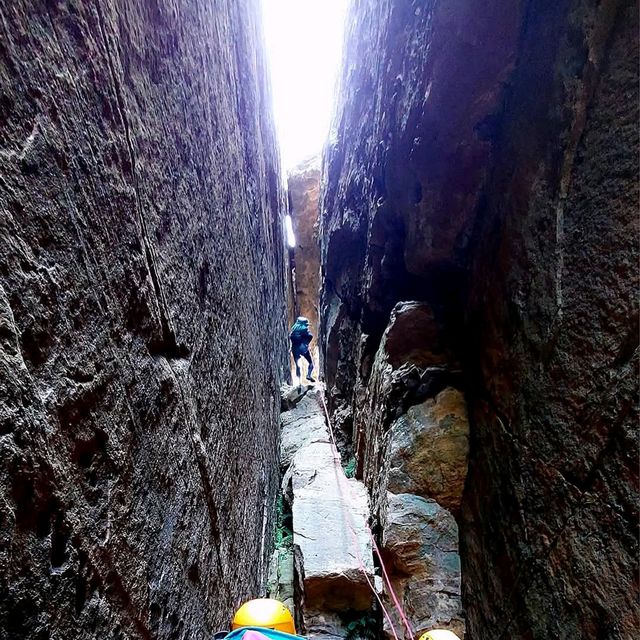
x=458, y=258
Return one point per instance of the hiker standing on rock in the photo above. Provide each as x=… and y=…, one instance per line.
x=300, y=338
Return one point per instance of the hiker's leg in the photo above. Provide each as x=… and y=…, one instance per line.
x=296, y=359
x=307, y=357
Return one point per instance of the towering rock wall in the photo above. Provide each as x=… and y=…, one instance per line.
x=142, y=328
x=552, y=498
x=483, y=165
x=402, y=171
x=303, y=184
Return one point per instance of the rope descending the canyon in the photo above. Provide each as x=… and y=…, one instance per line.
x=340, y=480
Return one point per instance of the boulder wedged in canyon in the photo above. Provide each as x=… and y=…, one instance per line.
x=140, y=291
x=427, y=450
x=411, y=432
x=411, y=364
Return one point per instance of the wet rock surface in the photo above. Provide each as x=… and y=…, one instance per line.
x=484, y=163
x=141, y=304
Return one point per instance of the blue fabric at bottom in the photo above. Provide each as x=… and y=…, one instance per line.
x=270, y=633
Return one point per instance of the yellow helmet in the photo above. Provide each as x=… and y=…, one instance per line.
x=439, y=634
x=264, y=612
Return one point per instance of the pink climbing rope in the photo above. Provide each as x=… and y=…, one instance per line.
x=391, y=589
x=396, y=602
x=348, y=519
x=361, y=562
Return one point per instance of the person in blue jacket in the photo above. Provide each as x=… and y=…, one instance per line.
x=300, y=338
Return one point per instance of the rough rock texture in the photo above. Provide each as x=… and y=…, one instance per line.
x=409, y=150
x=552, y=500
x=484, y=161
x=141, y=288
x=427, y=450
x=420, y=543
x=329, y=522
x=412, y=364
x=411, y=437
x=281, y=580
x=325, y=510
x=411, y=433
x=301, y=425
x=303, y=185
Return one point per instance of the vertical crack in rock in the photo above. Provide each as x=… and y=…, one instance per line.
x=168, y=346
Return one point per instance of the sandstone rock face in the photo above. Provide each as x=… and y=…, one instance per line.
x=413, y=337
x=421, y=540
x=303, y=184
x=412, y=363
x=427, y=450
x=409, y=151
x=142, y=334
x=330, y=516
x=301, y=426
x=327, y=514
x=484, y=161
x=411, y=432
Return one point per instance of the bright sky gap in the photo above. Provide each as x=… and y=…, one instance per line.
x=304, y=49
x=291, y=238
